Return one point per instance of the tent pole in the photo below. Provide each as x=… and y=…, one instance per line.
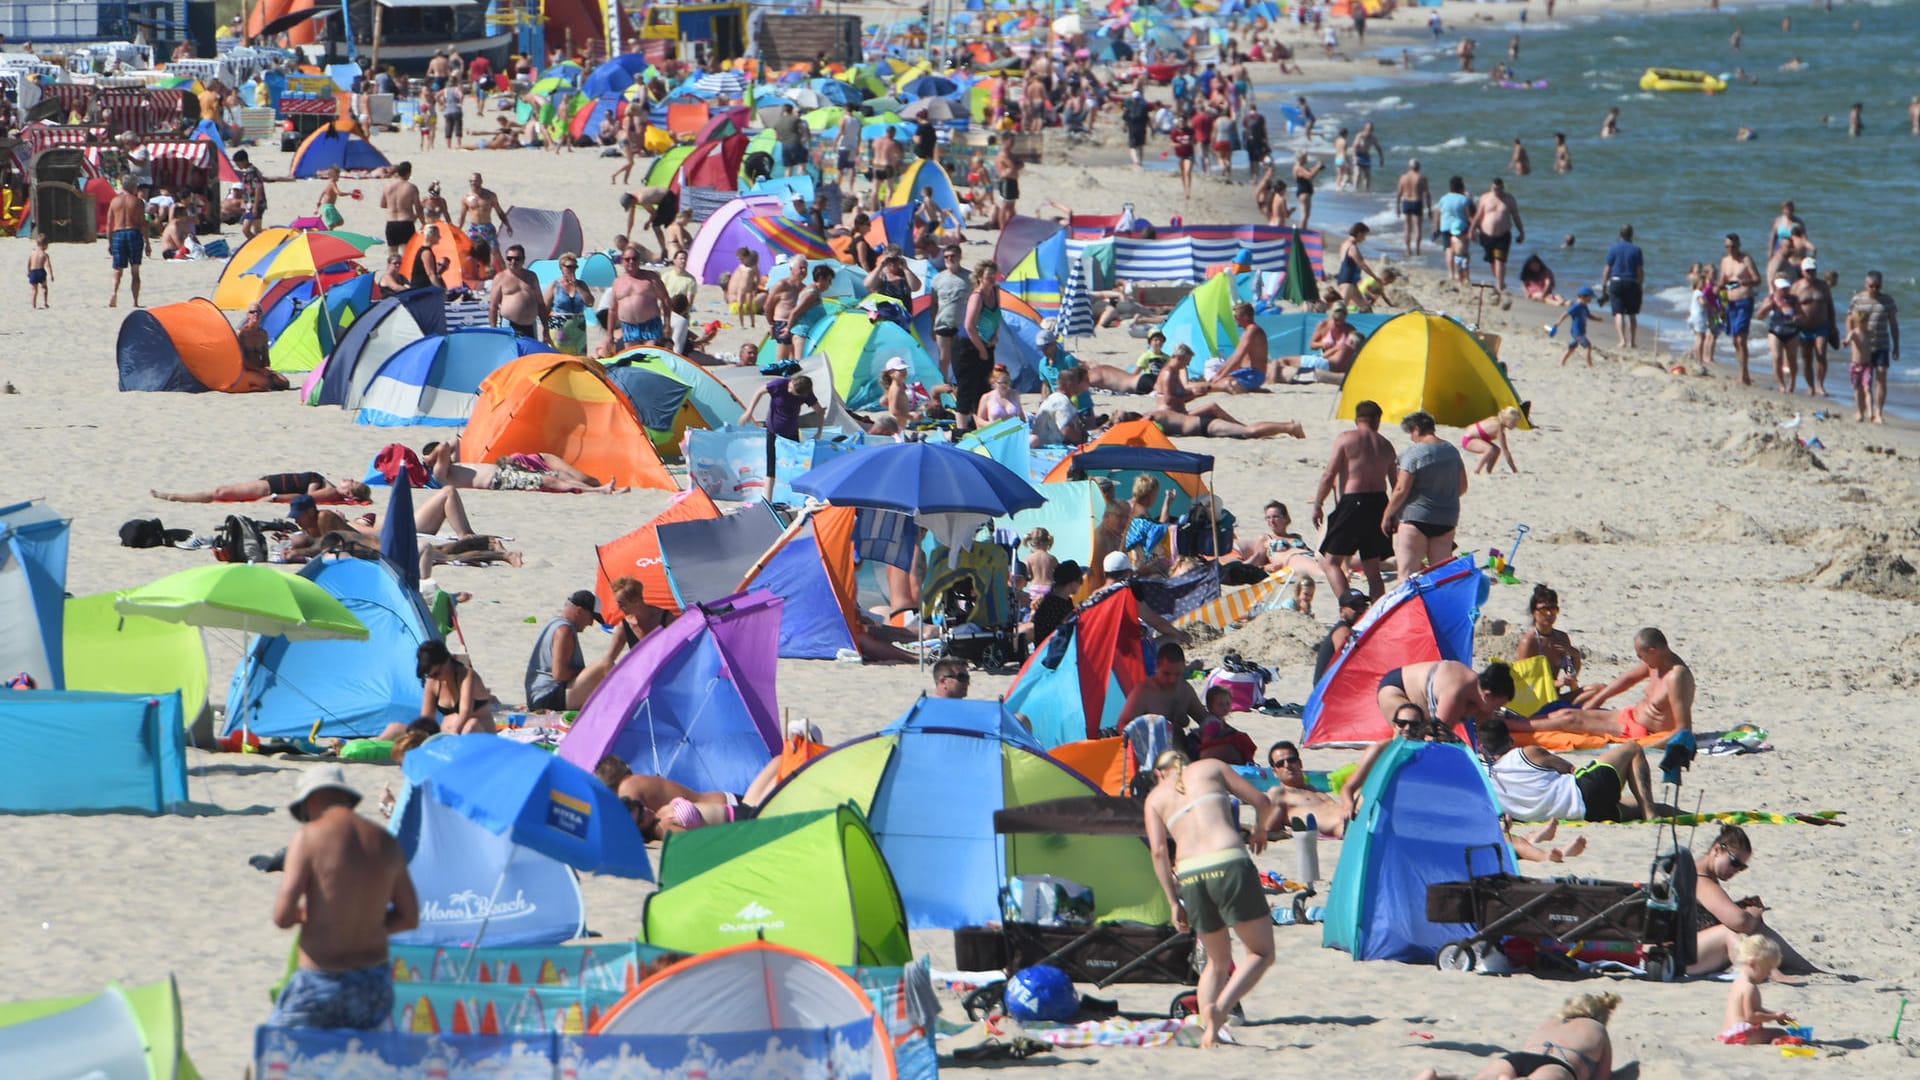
x=467, y=968
x=793, y=530
x=378, y=10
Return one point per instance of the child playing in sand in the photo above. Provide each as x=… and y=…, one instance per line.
x=1579, y=313
x=1703, y=313
x=40, y=274
x=1488, y=438
x=1755, y=956
x=1859, y=370
x=743, y=287
x=1040, y=563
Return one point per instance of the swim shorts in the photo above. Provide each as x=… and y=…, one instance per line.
x=526, y=330
x=1624, y=295
x=1010, y=189
x=1880, y=358
x=37, y=277
x=1496, y=247
x=1409, y=207
x=1248, y=378
x=398, y=233
x=487, y=233
x=1739, y=317
x=508, y=476
x=330, y=216
x=1810, y=336
x=1354, y=527
x=361, y=999
x=778, y=328
x=1599, y=785
x=793, y=154
x=1221, y=889
x=126, y=246
x=642, y=333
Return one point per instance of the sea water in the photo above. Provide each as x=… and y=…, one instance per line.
x=1675, y=171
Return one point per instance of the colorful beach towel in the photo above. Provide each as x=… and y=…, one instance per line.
x=1733, y=817
x=1118, y=1032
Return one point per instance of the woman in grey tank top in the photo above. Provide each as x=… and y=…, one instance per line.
x=1424, y=509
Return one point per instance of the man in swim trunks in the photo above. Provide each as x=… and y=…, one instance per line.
x=127, y=239
x=1007, y=168
x=886, y=165
x=401, y=200
x=1816, y=320
x=1535, y=784
x=783, y=293
x=1296, y=799
x=1358, y=473
x=1738, y=275
x=1496, y=221
x=482, y=204
x=346, y=888
x=1625, y=271
x=516, y=297
x=638, y=301
x=1447, y=691
x=1248, y=367
x=1415, y=201
x=1667, y=706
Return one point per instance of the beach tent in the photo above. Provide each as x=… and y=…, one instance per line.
x=33, y=582
x=857, y=348
x=637, y=555
x=564, y=405
x=236, y=290
x=1075, y=682
x=301, y=332
x=615, y=76
x=694, y=702
x=929, y=784
x=332, y=146
x=663, y=403
x=1290, y=333
x=914, y=181
x=706, y=558
x=766, y=1011
x=1203, y=321
x=352, y=688
x=546, y=234
x=381, y=331
x=716, y=246
x=1424, y=809
x=476, y=885
x=1031, y=247
x=744, y=382
x=1427, y=617
x=80, y=752
x=435, y=380
x=712, y=398
x=1139, y=435
x=1422, y=361
x=1071, y=513
x=810, y=567
x=714, y=165
x=812, y=880
x=126, y=1031
x=665, y=170
x=186, y=347
x=133, y=654
x=450, y=246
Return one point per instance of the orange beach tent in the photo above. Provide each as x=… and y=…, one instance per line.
x=563, y=405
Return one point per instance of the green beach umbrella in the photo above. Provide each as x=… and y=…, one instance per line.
x=1298, y=287
x=249, y=597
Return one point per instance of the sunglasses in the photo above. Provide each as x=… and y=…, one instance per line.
x=1547, y=607
x=1283, y=762
x=1734, y=861
x=959, y=678
x=514, y=258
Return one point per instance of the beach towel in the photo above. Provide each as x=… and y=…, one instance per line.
x=1118, y=1032
x=1232, y=607
x=1733, y=817
x=1561, y=742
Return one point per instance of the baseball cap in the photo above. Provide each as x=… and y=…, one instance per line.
x=1044, y=338
x=1585, y=291
x=895, y=363
x=1781, y=283
x=1355, y=599
x=1809, y=264
x=300, y=504
x=1116, y=562
x=585, y=601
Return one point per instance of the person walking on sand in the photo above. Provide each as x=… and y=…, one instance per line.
x=1416, y=199
x=1625, y=272
x=1213, y=888
x=1880, y=334
x=1357, y=475
x=1424, y=508
x=39, y=274
x=127, y=239
x=1496, y=221
x=1303, y=178
x=1816, y=320
x=1452, y=219
x=347, y=889
x=1737, y=275
x=1577, y=313
x=401, y=200
x=1182, y=137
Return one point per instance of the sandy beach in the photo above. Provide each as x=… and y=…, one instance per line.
x=1785, y=577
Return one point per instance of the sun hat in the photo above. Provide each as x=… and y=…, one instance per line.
x=317, y=779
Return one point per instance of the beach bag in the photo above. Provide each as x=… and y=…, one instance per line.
x=1246, y=687
x=1202, y=532
x=397, y=456
x=239, y=540
x=143, y=533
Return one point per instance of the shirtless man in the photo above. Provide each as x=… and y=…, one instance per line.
x=1666, y=707
x=1007, y=188
x=1415, y=200
x=1174, y=417
x=886, y=166
x=279, y=487
x=482, y=204
x=516, y=296
x=1249, y=355
x=346, y=888
x=1299, y=800
x=1520, y=164
x=555, y=474
x=401, y=200
x=256, y=367
x=1166, y=693
x=1496, y=221
x=1738, y=275
x=783, y=293
x=1816, y=318
x=638, y=303
x=1447, y=691
x=127, y=239
x=1358, y=473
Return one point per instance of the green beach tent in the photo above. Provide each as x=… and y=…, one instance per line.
x=132, y=654
x=812, y=881
x=113, y=1033
x=664, y=167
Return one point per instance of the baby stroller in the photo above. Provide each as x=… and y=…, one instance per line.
x=1655, y=917
x=1102, y=954
x=971, y=605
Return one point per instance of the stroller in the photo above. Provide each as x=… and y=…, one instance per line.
x=971, y=604
x=1102, y=954
x=1655, y=917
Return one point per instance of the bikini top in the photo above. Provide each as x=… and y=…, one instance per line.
x=1195, y=801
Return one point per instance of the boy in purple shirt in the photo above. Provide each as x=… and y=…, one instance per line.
x=787, y=399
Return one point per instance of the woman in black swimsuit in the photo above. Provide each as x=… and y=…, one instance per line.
x=1303, y=184
x=1573, y=1046
x=452, y=690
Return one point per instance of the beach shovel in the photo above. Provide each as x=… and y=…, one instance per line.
x=1519, y=533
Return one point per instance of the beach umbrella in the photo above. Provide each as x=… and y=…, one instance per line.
x=1298, y=287
x=398, y=541
x=547, y=87
x=725, y=84
x=920, y=478
x=358, y=240
x=303, y=255
x=536, y=799
x=937, y=108
x=803, y=98
x=836, y=92
x=883, y=105
x=252, y=598
x=826, y=119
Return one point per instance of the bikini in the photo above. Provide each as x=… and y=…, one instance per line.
x=1477, y=432
x=1196, y=801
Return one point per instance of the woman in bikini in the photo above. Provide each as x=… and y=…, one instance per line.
x=1543, y=639
x=1572, y=1046
x=1214, y=888
x=660, y=806
x=1488, y=438
x=999, y=402
x=1282, y=551
x=453, y=691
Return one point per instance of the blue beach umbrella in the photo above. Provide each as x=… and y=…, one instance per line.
x=920, y=478
x=536, y=799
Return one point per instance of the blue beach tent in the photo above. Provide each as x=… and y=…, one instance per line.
x=354, y=688
x=33, y=581
x=434, y=381
x=377, y=334
x=1423, y=809
x=479, y=886
x=76, y=752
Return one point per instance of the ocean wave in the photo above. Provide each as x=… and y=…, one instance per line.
x=1458, y=142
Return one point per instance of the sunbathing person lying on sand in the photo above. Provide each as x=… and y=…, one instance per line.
x=1536, y=784
x=276, y=486
x=1210, y=419
x=1667, y=706
x=325, y=530
x=680, y=807
x=513, y=472
x=1572, y=1046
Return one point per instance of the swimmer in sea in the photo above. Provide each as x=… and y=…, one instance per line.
x=1610, y=126
x=1562, y=157
x=1521, y=165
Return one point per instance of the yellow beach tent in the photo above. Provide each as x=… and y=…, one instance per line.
x=1423, y=361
